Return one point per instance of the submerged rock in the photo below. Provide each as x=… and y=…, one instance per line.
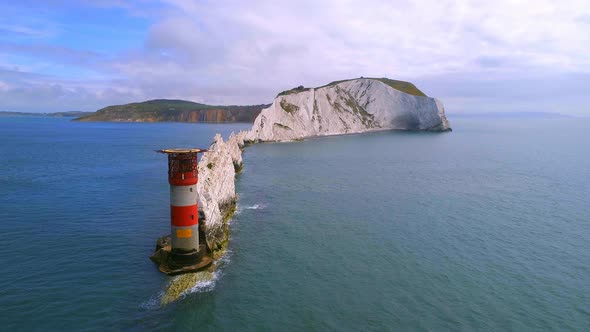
x=345, y=107
x=182, y=284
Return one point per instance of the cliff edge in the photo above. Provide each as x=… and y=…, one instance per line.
x=345, y=107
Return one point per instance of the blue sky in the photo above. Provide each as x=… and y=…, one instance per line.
x=475, y=56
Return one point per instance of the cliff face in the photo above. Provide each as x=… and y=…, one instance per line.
x=345, y=107
x=163, y=110
x=216, y=187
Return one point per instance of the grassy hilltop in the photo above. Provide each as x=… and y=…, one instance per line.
x=402, y=86
x=166, y=110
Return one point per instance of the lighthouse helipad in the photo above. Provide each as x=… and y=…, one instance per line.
x=181, y=252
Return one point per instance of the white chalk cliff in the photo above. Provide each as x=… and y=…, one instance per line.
x=216, y=187
x=352, y=106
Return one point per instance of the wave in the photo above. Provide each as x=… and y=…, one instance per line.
x=192, y=283
x=153, y=302
x=208, y=283
x=256, y=207
x=240, y=208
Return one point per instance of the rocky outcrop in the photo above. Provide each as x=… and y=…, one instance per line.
x=217, y=202
x=216, y=187
x=183, y=284
x=345, y=107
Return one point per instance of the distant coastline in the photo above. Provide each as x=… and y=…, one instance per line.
x=160, y=110
x=71, y=114
x=171, y=110
x=509, y=115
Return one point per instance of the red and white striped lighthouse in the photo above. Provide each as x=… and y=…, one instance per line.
x=184, y=212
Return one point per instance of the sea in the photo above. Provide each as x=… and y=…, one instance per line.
x=486, y=228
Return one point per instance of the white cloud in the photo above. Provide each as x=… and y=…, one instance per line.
x=269, y=45
x=414, y=37
x=246, y=51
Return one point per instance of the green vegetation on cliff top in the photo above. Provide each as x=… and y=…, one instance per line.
x=160, y=110
x=402, y=86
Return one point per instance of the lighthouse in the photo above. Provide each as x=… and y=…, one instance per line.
x=183, y=176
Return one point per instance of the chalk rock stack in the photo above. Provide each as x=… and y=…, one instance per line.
x=216, y=187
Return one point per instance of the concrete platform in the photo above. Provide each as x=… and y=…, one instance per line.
x=162, y=257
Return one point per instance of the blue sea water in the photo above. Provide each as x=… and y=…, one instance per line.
x=484, y=228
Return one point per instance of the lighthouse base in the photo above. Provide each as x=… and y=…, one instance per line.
x=173, y=263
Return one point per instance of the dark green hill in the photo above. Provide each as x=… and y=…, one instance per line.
x=167, y=110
